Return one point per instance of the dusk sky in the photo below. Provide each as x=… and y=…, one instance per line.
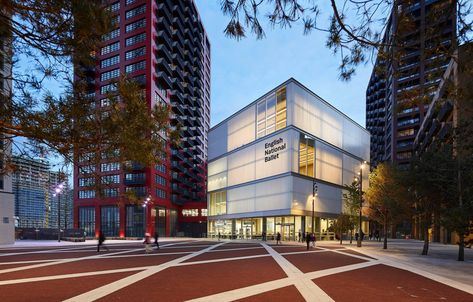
x=244, y=70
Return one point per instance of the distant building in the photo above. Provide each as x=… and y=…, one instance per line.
x=7, y=226
x=36, y=203
x=392, y=118
x=265, y=159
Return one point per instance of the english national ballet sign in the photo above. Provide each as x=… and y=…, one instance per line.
x=272, y=149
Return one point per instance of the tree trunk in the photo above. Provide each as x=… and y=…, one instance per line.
x=425, y=250
x=461, y=248
x=385, y=231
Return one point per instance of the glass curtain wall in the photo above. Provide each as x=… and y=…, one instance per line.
x=306, y=156
x=271, y=113
x=110, y=220
x=87, y=221
x=135, y=221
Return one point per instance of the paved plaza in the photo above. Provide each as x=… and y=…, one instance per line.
x=210, y=270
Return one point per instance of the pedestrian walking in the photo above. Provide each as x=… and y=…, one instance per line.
x=219, y=235
x=156, y=238
x=307, y=239
x=356, y=236
x=278, y=238
x=312, y=240
x=299, y=237
x=147, y=243
x=263, y=236
x=100, y=242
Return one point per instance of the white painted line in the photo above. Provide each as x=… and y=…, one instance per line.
x=75, y=275
x=222, y=260
x=117, y=285
x=244, y=292
x=308, y=289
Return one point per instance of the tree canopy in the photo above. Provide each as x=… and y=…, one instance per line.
x=52, y=110
x=355, y=30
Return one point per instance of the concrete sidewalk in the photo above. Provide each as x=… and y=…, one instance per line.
x=440, y=261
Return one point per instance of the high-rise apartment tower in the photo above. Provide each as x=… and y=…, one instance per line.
x=162, y=45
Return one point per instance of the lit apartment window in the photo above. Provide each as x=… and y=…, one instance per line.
x=138, y=52
x=135, y=39
x=190, y=212
x=406, y=132
x=86, y=157
x=86, y=194
x=271, y=113
x=135, y=25
x=404, y=155
x=110, y=61
x=110, y=179
x=128, y=2
x=107, y=167
x=138, y=191
x=161, y=168
x=110, y=192
x=306, y=156
x=87, y=169
x=86, y=182
x=135, y=67
x=108, y=88
x=203, y=212
x=218, y=203
x=110, y=48
x=110, y=74
x=135, y=12
x=160, y=193
x=160, y=180
x=111, y=35
x=114, y=6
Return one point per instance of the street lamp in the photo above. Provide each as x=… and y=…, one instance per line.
x=358, y=243
x=145, y=206
x=58, y=190
x=314, y=193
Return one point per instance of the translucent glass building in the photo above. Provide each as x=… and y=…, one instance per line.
x=265, y=159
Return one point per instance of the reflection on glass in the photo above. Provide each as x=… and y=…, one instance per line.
x=306, y=156
x=281, y=108
x=271, y=113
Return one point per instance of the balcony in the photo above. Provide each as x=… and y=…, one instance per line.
x=163, y=79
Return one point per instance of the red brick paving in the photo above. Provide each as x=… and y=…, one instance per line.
x=55, y=290
x=192, y=281
x=236, y=246
x=319, y=261
x=228, y=254
x=91, y=265
x=290, y=249
x=385, y=283
x=45, y=256
x=284, y=294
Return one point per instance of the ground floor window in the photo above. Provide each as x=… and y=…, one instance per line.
x=173, y=222
x=291, y=228
x=160, y=222
x=135, y=221
x=110, y=221
x=87, y=220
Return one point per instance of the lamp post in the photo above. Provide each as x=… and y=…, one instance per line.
x=145, y=206
x=358, y=243
x=314, y=193
x=58, y=190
